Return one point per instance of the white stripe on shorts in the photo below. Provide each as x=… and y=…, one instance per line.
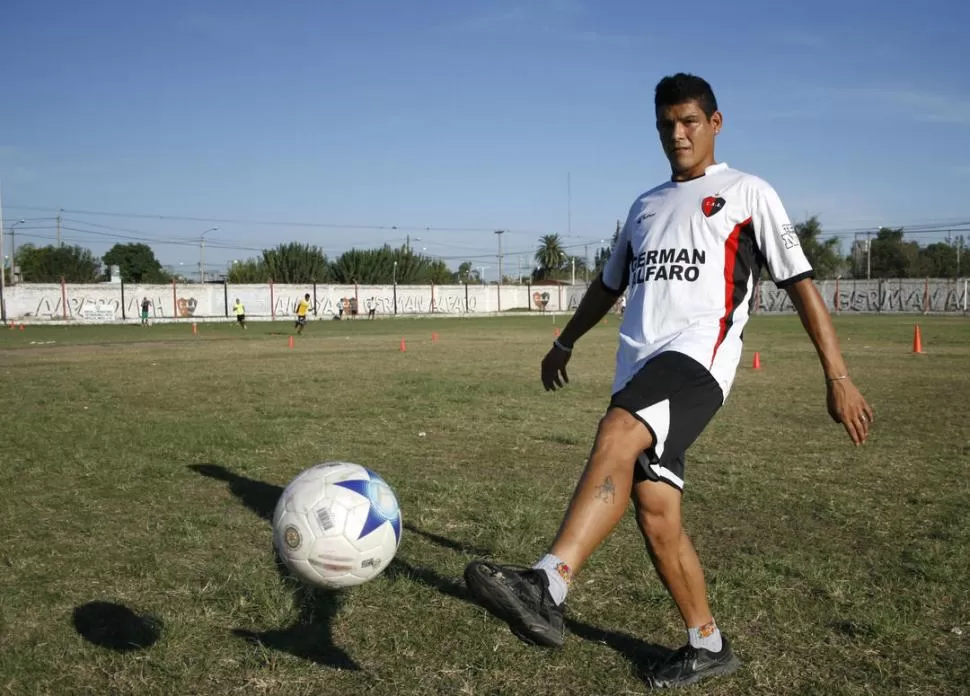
x=657, y=416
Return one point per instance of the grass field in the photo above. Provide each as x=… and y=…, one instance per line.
x=138, y=468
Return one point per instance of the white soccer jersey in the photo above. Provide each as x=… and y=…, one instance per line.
x=688, y=257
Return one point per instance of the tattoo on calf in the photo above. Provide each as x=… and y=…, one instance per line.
x=606, y=491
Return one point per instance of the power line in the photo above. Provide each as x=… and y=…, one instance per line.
x=273, y=223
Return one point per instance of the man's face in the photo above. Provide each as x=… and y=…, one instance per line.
x=687, y=137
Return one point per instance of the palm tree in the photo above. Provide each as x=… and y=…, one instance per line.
x=550, y=256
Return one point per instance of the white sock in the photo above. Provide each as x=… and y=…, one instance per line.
x=707, y=637
x=559, y=576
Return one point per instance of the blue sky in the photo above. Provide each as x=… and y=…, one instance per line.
x=462, y=117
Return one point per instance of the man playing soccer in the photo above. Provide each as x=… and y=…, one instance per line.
x=301, y=310
x=240, y=313
x=688, y=256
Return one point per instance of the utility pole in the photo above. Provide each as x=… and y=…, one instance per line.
x=3, y=266
x=499, y=234
x=959, y=249
x=868, y=256
x=13, y=251
x=202, y=253
x=59, y=227
x=569, y=204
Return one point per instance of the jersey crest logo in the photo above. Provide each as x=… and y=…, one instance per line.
x=711, y=205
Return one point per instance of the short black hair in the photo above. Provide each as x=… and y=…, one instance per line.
x=682, y=88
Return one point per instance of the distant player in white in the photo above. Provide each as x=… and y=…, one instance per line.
x=688, y=258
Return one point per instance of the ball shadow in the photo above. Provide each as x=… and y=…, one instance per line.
x=116, y=627
x=310, y=637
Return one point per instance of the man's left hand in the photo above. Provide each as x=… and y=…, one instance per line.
x=847, y=406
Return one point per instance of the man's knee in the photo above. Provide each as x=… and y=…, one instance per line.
x=620, y=434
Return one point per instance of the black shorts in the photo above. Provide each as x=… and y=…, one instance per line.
x=675, y=397
x=301, y=320
x=240, y=318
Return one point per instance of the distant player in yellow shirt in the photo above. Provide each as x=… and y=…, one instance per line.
x=240, y=313
x=301, y=311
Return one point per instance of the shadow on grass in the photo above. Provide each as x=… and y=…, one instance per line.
x=642, y=655
x=116, y=627
x=311, y=635
x=447, y=543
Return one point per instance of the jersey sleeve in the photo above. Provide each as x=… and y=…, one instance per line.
x=777, y=239
x=616, y=271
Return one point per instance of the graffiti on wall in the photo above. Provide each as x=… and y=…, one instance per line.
x=94, y=303
x=90, y=307
x=186, y=306
x=872, y=296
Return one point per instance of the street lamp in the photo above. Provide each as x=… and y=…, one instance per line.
x=13, y=251
x=202, y=253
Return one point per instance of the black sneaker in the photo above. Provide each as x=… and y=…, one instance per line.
x=520, y=597
x=689, y=665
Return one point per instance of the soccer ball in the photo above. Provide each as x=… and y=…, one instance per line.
x=337, y=524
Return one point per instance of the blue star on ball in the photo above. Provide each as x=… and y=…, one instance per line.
x=383, y=505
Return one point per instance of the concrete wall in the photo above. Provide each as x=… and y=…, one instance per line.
x=112, y=301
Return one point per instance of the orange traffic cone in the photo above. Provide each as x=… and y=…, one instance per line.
x=404, y=347
x=434, y=338
x=757, y=361
x=21, y=327
x=555, y=331
x=917, y=340
x=291, y=341
x=195, y=329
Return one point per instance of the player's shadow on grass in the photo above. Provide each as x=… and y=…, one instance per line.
x=116, y=627
x=644, y=656
x=311, y=636
x=447, y=543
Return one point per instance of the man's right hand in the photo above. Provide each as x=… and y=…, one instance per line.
x=554, y=369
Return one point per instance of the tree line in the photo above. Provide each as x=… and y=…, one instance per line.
x=886, y=254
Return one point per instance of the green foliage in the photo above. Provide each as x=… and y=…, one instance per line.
x=386, y=265
x=368, y=266
x=825, y=256
x=549, y=257
x=248, y=271
x=49, y=264
x=296, y=263
x=938, y=260
x=137, y=262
